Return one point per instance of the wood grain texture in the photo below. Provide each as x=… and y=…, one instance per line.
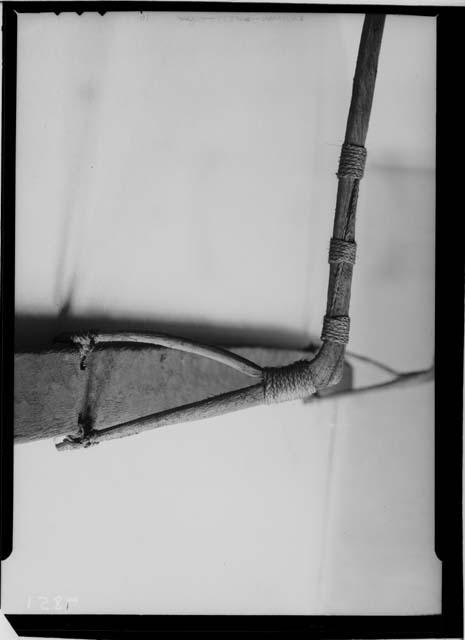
x=340, y=277
x=124, y=383
x=331, y=355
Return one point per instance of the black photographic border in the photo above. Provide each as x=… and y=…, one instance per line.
x=449, y=325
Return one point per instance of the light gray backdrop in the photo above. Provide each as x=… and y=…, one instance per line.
x=182, y=169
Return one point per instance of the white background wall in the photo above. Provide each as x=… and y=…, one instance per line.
x=179, y=169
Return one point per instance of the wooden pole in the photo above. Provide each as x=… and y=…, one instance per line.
x=329, y=360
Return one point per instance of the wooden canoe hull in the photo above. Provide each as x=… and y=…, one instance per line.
x=122, y=383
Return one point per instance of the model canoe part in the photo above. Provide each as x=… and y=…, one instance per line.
x=106, y=385
x=122, y=382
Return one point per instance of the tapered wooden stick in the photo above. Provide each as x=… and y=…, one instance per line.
x=331, y=356
x=89, y=339
x=208, y=408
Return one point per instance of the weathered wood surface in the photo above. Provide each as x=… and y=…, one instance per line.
x=122, y=383
x=329, y=360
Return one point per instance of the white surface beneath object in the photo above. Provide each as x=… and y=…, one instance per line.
x=181, y=171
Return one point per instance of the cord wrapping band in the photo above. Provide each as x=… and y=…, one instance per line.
x=291, y=382
x=352, y=161
x=342, y=251
x=336, y=329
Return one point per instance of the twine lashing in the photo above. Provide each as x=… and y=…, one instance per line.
x=291, y=382
x=336, y=329
x=352, y=161
x=342, y=251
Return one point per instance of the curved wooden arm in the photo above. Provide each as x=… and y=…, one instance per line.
x=325, y=369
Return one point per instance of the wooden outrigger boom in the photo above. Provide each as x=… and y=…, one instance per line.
x=95, y=386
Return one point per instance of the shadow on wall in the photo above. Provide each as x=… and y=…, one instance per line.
x=34, y=332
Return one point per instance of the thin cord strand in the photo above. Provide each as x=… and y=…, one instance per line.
x=374, y=363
